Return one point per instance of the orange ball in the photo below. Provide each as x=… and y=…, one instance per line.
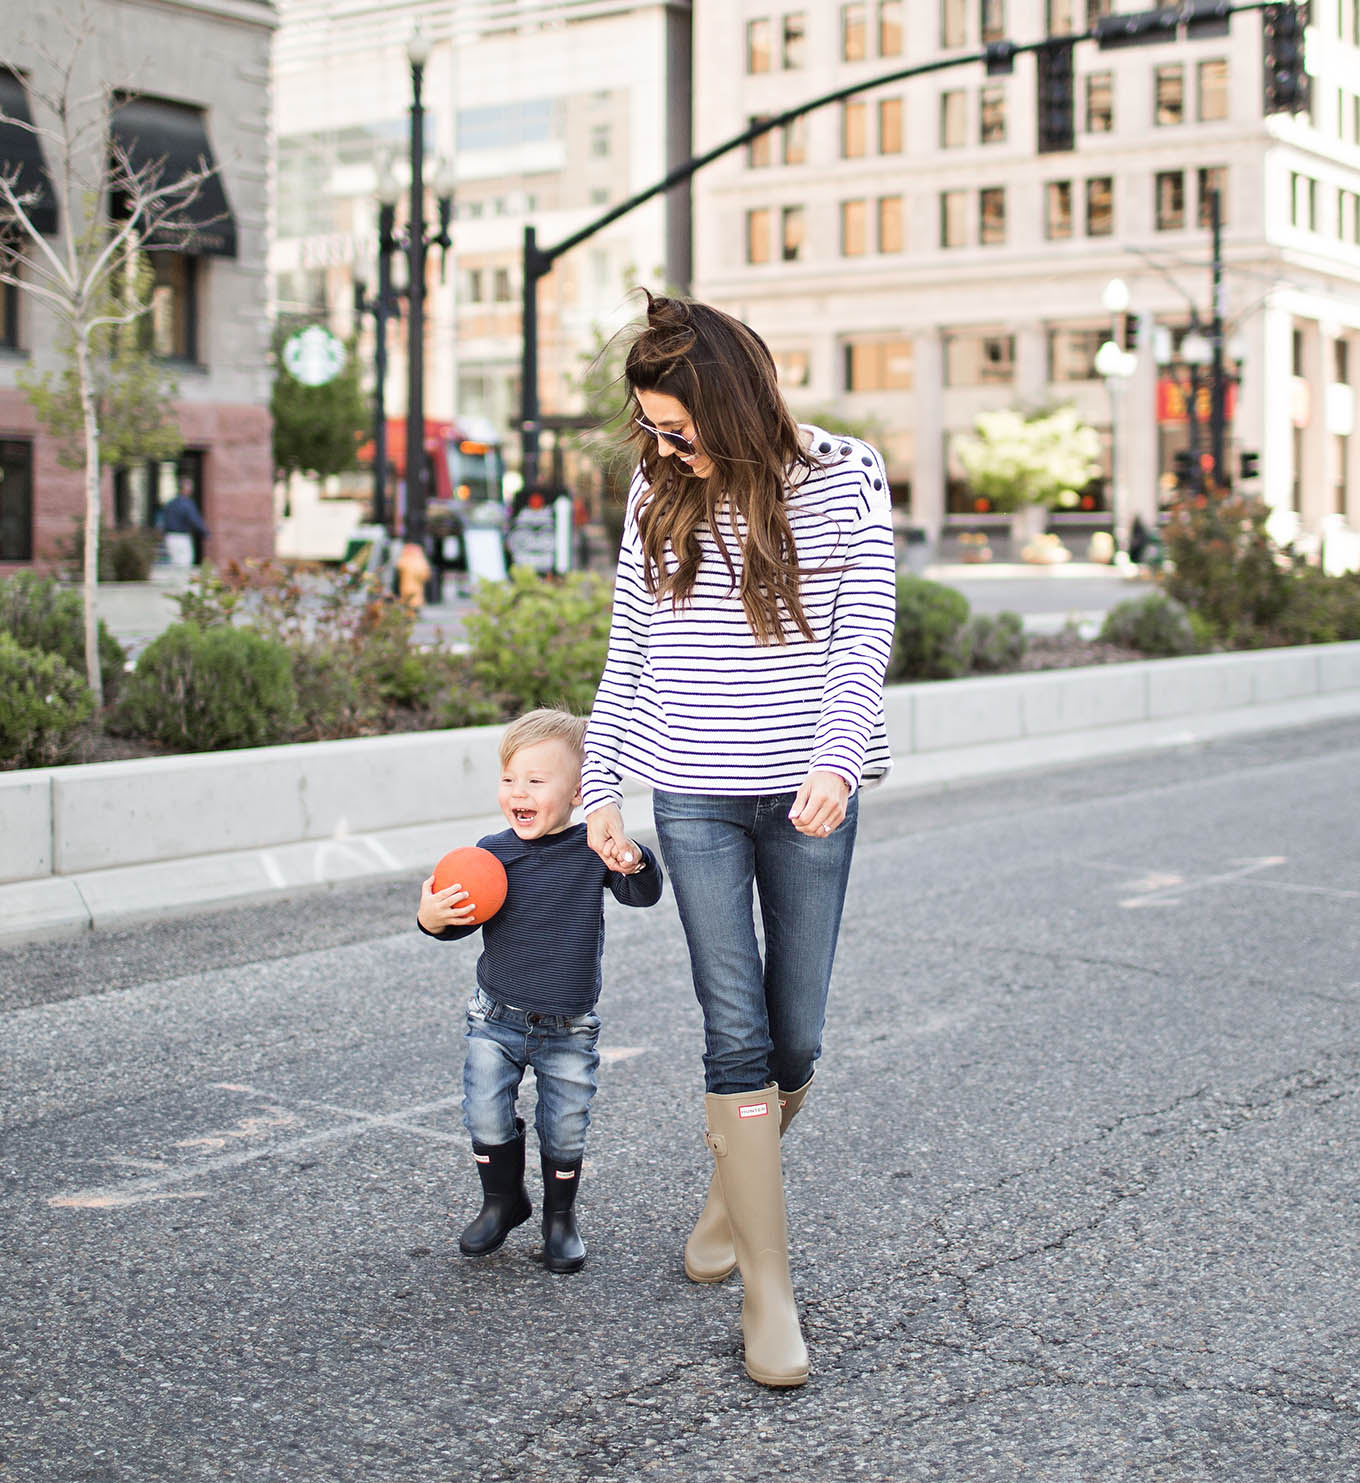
x=479, y=873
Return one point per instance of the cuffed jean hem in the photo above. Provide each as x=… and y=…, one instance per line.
x=562, y=1049
x=762, y=1019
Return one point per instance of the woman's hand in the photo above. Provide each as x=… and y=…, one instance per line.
x=450, y=907
x=606, y=836
x=819, y=805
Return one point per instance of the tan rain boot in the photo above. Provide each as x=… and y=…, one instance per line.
x=743, y=1133
x=708, y=1252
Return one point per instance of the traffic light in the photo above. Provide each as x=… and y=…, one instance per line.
x=1251, y=466
x=1184, y=463
x=1206, y=18
x=1287, y=88
x=1000, y=58
x=1140, y=28
x=1056, y=94
x=1133, y=325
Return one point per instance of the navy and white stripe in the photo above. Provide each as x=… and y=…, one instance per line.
x=690, y=702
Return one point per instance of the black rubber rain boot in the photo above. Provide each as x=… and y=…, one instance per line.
x=505, y=1201
x=563, y=1249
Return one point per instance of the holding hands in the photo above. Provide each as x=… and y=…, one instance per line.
x=605, y=835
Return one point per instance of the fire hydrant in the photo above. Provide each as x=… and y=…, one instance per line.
x=413, y=571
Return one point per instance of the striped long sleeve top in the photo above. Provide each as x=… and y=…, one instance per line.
x=690, y=702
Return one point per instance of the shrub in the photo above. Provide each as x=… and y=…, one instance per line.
x=534, y=642
x=1321, y=609
x=44, y=704
x=1153, y=624
x=931, y=641
x=995, y=643
x=42, y=614
x=210, y=689
x=1225, y=566
x=125, y=554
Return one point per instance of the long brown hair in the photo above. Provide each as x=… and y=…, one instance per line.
x=723, y=374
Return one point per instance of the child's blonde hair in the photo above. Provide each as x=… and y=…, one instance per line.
x=544, y=724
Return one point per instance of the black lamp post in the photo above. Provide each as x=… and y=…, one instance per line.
x=416, y=244
x=382, y=308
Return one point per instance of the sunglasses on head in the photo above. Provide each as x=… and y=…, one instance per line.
x=677, y=441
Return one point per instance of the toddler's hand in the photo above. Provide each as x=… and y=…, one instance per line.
x=450, y=907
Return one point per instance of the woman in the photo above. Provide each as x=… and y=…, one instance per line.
x=753, y=618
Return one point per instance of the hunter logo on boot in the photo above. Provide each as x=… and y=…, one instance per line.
x=754, y=1109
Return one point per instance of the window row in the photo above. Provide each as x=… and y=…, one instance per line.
x=878, y=126
x=1071, y=208
x=1306, y=207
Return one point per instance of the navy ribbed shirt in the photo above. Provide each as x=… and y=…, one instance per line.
x=542, y=949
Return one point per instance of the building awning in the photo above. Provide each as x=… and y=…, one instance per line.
x=173, y=137
x=22, y=147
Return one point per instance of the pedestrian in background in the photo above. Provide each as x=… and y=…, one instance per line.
x=752, y=624
x=180, y=522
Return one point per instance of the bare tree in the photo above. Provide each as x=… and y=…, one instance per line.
x=110, y=208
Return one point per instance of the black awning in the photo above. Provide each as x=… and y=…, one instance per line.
x=173, y=137
x=22, y=147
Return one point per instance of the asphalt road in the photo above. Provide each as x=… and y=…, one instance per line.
x=1074, y=1198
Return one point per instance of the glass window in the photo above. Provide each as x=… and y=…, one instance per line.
x=1099, y=102
x=992, y=215
x=1072, y=354
x=760, y=151
x=795, y=39
x=953, y=218
x=1067, y=17
x=1058, y=210
x=891, y=133
x=1341, y=361
x=1214, y=178
x=952, y=31
x=1213, y=90
x=599, y=142
x=1170, y=100
x=1100, y=206
x=16, y=500
x=171, y=326
x=953, y=119
x=892, y=236
x=794, y=367
x=992, y=115
x=759, y=248
x=501, y=286
x=9, y=316
x=854, y=32
x=979, y=360
x=473, y=286
x=878, y=365
x=1170, y=188
x=792, y=230
x=1304, y=214
x=854, y=223
x=757, y=46
x=854, y=129
x=993, y=20
x=793, y=141
x=890, y=32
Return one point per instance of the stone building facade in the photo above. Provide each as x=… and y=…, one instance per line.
x=180, y=79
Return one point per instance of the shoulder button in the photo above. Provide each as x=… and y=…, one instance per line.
x=823, y=447
x=878, y=483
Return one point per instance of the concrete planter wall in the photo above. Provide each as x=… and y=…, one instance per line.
x=222, y=826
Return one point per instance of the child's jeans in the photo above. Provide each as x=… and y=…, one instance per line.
x=561, y=1048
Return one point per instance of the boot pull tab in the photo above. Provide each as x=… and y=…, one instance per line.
x=716, y=1142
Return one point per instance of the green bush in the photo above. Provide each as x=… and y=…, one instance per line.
x=42, y=614
x=1225, y=567
x=995, y=643
x=534, y=642
x=1321, y=609
x=932, y=640
x=1154, y=624
x=125, y=554
x=44, y=705
x=210, y=689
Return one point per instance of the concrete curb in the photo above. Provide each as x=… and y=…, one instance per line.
x=113, y=843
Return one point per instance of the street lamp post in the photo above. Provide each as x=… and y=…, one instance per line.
x=1115, y=366
x=381, y=308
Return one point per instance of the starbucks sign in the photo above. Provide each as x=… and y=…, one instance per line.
x=313, y=356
